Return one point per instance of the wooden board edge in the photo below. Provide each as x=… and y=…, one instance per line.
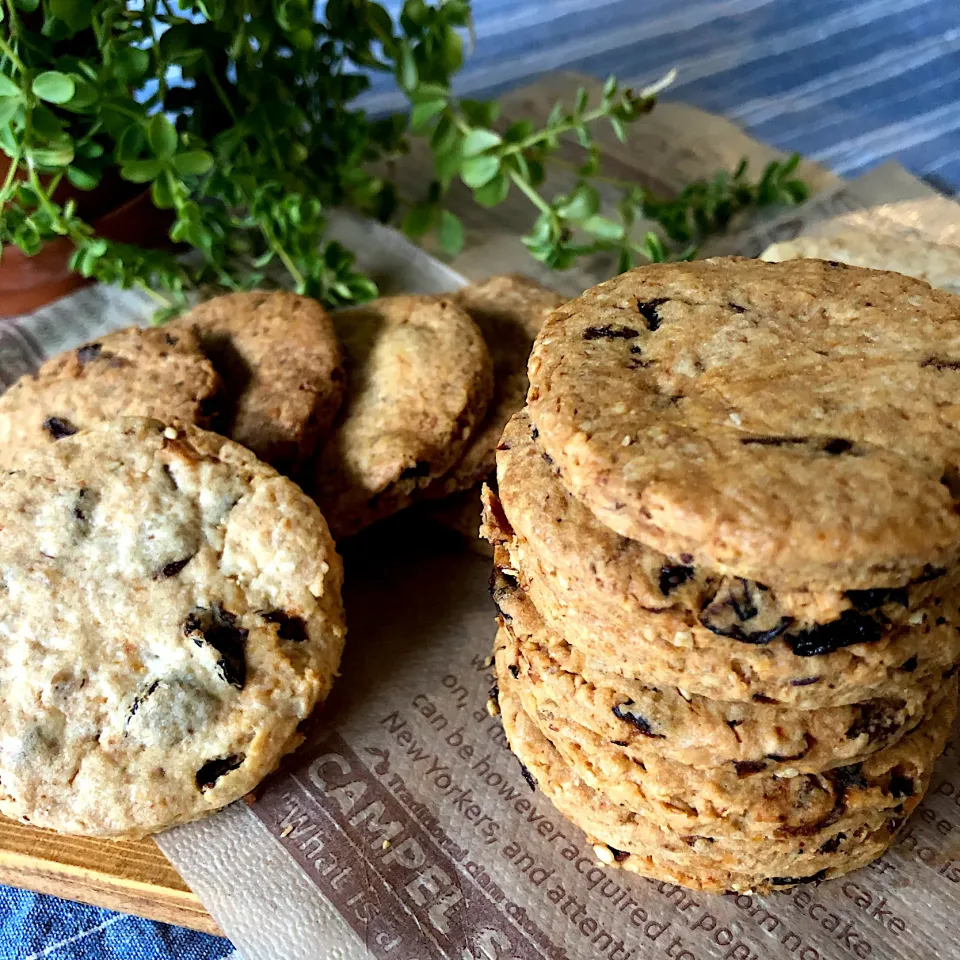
x=86, y=885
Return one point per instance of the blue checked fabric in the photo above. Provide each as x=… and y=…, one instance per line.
x=851, y=84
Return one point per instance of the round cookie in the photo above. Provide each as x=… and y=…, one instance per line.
x=635, y=843
x=936, y=263
x=419, y=381
x=641, y=720
x=647, y=614
x=724, y=802
x=279, y=358
x=170, y=612
x=509, y=310
x=131, y=372
x=791, y=423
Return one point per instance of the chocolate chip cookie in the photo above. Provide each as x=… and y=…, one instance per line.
x=169, y=613
x=790, y=423
x=278, y=355
x=152, y=373
x=419, y=381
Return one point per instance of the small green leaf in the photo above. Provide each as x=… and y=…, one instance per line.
x=193, y=163
x=53, y=86
x=618, y=129
x=444, y=135
x=161, y=193
x=132, y=63
x=447, y=164
x=423, y=113
x=46, y=123
x=450, y=233
x=603, y=228
x=141, y=171
x=609, y=87
x=162, y=136
x=54, y=156
x=8, y=109
x=452, y=50
x=82, y=179
x=519, y=130
x=476, y=171
x=430, y=91
x=583, y=203
x=415, y=12
x=407, y=74
x=8, y=88
x=84, y=95
x=28, y=6
x=493, y=193
x=480, y=113
x=418, y=220
x=476, y=141
x=580, y=104
x=75, y=13
x=131, y=143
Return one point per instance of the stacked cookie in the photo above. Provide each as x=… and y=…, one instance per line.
x=727, y=536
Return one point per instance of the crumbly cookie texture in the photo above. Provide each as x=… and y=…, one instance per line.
x=639, y=721
x=169, y=613
x=675, y=621
x=622, y=837
x=132, y=372
x=419, y=381
x=724, y=668
x=279, y=358
x=936, y=263
x=789, y=423
x=509, y=310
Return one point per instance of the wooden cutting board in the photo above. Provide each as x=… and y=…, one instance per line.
x=675, y=144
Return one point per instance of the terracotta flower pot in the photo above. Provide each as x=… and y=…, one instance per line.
x=115, y=210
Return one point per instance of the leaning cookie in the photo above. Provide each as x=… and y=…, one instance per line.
x=278, y=355
x=170, y=613
x=509, y=310
x=937, y=263
x=131, y=372
x=643, y=721
x=625, y=839
x=419, y=381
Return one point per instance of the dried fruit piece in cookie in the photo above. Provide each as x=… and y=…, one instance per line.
x=278, y=355
x=674, y=621
x=419, y=380
x=132, y=372
x=170, y=613
x=635, y=842
x=790, y=422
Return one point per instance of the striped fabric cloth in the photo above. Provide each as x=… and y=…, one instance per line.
x=850, y=83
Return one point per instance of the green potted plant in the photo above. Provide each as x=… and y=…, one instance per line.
x=230, y=127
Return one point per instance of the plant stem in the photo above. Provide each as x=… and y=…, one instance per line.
x=530, y=193
x=155, y=295
x=11, y=54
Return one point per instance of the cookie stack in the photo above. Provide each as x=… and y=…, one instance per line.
x=727, y=536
